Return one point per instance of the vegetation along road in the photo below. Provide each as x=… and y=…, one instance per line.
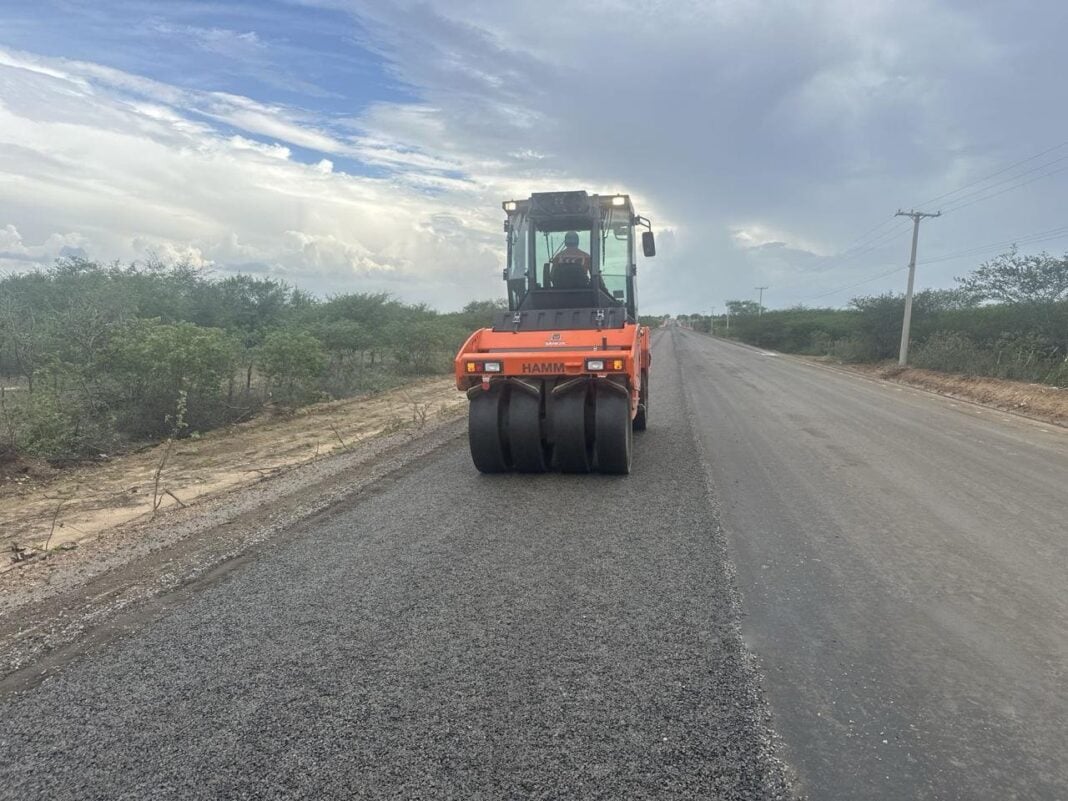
x=811, y=584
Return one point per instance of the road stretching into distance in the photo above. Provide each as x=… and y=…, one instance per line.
x=881, y=568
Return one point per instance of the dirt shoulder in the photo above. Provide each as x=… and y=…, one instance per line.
x=58, y=509
x=241, y=488
x=1037, y=401
x=219, y=497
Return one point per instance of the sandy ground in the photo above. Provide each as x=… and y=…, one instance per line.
x=64, y=508
x=1039, y=401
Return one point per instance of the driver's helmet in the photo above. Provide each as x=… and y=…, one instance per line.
x=571, y=239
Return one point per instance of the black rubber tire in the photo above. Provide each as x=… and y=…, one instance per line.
x=487, y=419
x=641, y=419
x=614, y=436
x=526, y=436
x=573, y=431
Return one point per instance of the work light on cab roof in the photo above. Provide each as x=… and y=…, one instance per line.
x=560, y=381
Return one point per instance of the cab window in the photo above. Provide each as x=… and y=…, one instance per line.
x=615, y=251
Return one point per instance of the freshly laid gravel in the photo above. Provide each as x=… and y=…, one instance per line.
x=443, y=635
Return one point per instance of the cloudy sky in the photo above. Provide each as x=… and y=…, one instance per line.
x=365, y=146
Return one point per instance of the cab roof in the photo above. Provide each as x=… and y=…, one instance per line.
x=572, y=203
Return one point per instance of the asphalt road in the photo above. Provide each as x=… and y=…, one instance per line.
x=449, y=635
x=901, y=562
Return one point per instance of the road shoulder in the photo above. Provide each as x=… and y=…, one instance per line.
x=1036, y=402
x=53, y=611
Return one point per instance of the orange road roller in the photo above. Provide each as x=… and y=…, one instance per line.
x=561, y=379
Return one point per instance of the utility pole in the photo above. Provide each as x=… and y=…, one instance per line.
x=906, y=323
x=712, y=320
x=760, y=303
x=728, y=322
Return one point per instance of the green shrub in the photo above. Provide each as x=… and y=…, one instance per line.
x=854, y=350
x=150, y=363
x=53, y=425
x=293, y=361
x=953, y=352
x=1058, y=375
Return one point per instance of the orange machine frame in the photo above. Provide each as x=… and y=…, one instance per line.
x=526, y=355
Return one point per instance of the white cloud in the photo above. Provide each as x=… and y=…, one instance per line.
x=270, y=121
x=759, y=136
x=16, y=254
x=816, y=118
x=757, y=235
x=133, y=179
x=219, y=40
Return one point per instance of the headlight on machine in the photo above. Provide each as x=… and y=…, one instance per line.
x=483, y=367
x=605, y=365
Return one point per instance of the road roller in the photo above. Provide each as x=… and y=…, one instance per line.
x=560, y=381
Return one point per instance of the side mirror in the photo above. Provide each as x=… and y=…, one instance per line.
x=648, y=244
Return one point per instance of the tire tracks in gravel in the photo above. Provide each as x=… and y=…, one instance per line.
x=427, y=633
x=158, y=565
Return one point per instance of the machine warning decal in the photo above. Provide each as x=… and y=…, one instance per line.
x=546, y=367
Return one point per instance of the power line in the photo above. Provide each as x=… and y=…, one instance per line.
x=854, y=286
x=865, y=246
x=994, y=174
x=877, y=243
x=869, y=241
x=1029, y=239
x=862, y=244
x=1006, y=189
x=1008, y=180
x=872, y=230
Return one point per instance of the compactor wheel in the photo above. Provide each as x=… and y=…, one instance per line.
x=487, y=432
x=641, y=419
x=525, y=435
x=573, y=431
x=614, y=434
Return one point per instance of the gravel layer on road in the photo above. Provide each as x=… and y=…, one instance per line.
x=49, y=610
x=446, y=635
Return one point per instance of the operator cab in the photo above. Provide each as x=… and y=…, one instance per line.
x=573, y=252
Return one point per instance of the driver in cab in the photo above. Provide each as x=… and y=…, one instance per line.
x=571, y=266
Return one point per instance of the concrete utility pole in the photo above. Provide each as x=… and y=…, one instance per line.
x=906, y=323
x=712, y=320
x=760, y=303
x=728, y=321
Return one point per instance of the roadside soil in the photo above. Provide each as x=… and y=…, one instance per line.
x=46, y=512
x=112, y=564
x=1038, y=401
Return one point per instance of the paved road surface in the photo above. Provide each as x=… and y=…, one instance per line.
x=451, y=635
x=901, y=564
x=903, y=561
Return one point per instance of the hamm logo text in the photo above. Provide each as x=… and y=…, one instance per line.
x=548, y=367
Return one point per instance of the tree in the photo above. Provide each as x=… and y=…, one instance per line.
x=419, y=345
x=486, y=307
x=741, y=308
x=150, y=364
x=294, y=361
x=1013, y=278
